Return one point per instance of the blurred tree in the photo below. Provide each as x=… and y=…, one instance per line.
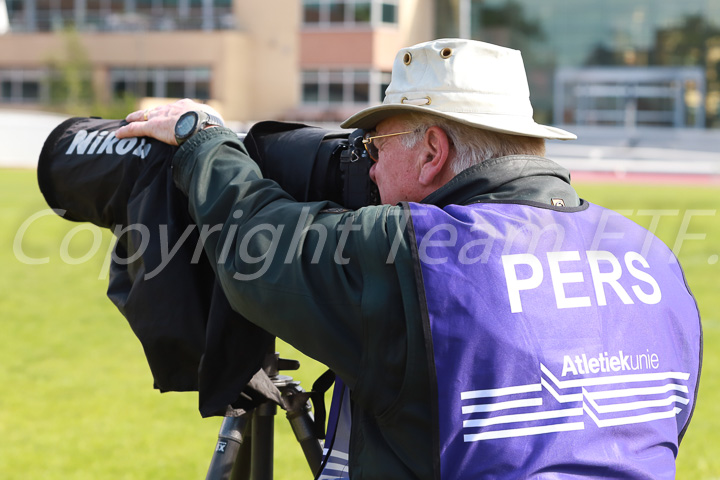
x=511, y=16
x=507, y=24
x=601, y=54
x=70, y=86
x=695, y=41
x=70, y=79
x=685, y=44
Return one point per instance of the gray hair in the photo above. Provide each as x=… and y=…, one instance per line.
x=472, y=144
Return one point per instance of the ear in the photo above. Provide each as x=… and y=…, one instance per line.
x=435, y=158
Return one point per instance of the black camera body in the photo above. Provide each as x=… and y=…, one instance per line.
x=314, y=164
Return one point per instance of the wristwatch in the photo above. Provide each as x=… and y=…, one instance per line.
x=192, y=122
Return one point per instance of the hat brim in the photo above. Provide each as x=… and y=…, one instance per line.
x=515, y=125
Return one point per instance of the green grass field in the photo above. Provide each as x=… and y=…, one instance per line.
x=76, y=398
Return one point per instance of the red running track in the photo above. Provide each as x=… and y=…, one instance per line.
x=649, y=178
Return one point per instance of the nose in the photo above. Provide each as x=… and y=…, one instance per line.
x=372, y=172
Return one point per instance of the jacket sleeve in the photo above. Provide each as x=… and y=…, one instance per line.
x=295, y=269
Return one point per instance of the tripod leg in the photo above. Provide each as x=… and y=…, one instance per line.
x=301, y=423
x=229, y=441
x=241, y=467
x=263, y=437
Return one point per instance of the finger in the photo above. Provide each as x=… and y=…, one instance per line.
x=137, y=129
x=137, y=116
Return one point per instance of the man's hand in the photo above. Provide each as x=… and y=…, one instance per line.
x=159, y=122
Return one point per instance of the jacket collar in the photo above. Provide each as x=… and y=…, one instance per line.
x=515, y=177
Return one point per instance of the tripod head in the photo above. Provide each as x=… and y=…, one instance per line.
x=245, y=447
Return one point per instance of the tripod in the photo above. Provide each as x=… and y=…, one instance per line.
x=244, y=450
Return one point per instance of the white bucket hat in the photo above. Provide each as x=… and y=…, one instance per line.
x=475, y=83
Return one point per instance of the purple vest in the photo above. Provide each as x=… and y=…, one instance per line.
x=562, y=341
x=336, y=452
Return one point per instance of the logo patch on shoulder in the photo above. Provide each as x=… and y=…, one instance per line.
x=334, y=210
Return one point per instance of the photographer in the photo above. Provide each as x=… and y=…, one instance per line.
x=484, y=319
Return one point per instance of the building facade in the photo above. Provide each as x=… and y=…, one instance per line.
x=287, y=59
x=347, y=51
x=321, y=60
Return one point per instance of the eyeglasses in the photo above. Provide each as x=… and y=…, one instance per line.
x=370, y=146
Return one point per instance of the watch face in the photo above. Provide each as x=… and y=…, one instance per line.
x=186, y=124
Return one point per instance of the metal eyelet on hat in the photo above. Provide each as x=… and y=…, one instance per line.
x=446, y=52
x=407, y=58
x=418, y=101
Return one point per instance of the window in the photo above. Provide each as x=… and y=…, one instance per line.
x=311, y=12
x=348, y=87
x=175, y=89
x=121, y=15
x=362, y=12
x=200, y=78
x=30, y=90
x=335, y=86
x=6, y=89
x=14, y=5
x=337, y=11
x=389, y=13
x=333, y=13
x=22, y=86
x=311, y=87
x=161, y=82
x=361, y=87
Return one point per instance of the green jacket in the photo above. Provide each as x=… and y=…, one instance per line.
x=339, y=285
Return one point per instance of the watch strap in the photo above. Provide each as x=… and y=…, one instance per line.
x=209, y=119
x=204, y=119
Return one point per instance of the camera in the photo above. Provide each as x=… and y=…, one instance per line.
x=158, y=278
x=314, y=164
x=310, y=163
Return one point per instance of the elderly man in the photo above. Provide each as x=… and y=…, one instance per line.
x=485, y=321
